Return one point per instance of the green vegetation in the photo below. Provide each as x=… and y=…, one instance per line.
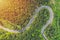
x=34, y=33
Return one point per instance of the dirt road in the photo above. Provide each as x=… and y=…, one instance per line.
x=32, y=20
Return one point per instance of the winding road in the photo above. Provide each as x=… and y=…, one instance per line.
x=32, y=20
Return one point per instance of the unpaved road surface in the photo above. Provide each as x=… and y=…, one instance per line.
x=32, y=19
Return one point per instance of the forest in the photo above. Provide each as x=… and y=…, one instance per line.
x=16, y=14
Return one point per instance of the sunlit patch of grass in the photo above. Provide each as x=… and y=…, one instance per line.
x=9, y=25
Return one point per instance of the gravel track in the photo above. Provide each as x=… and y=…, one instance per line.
x=32, y=20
